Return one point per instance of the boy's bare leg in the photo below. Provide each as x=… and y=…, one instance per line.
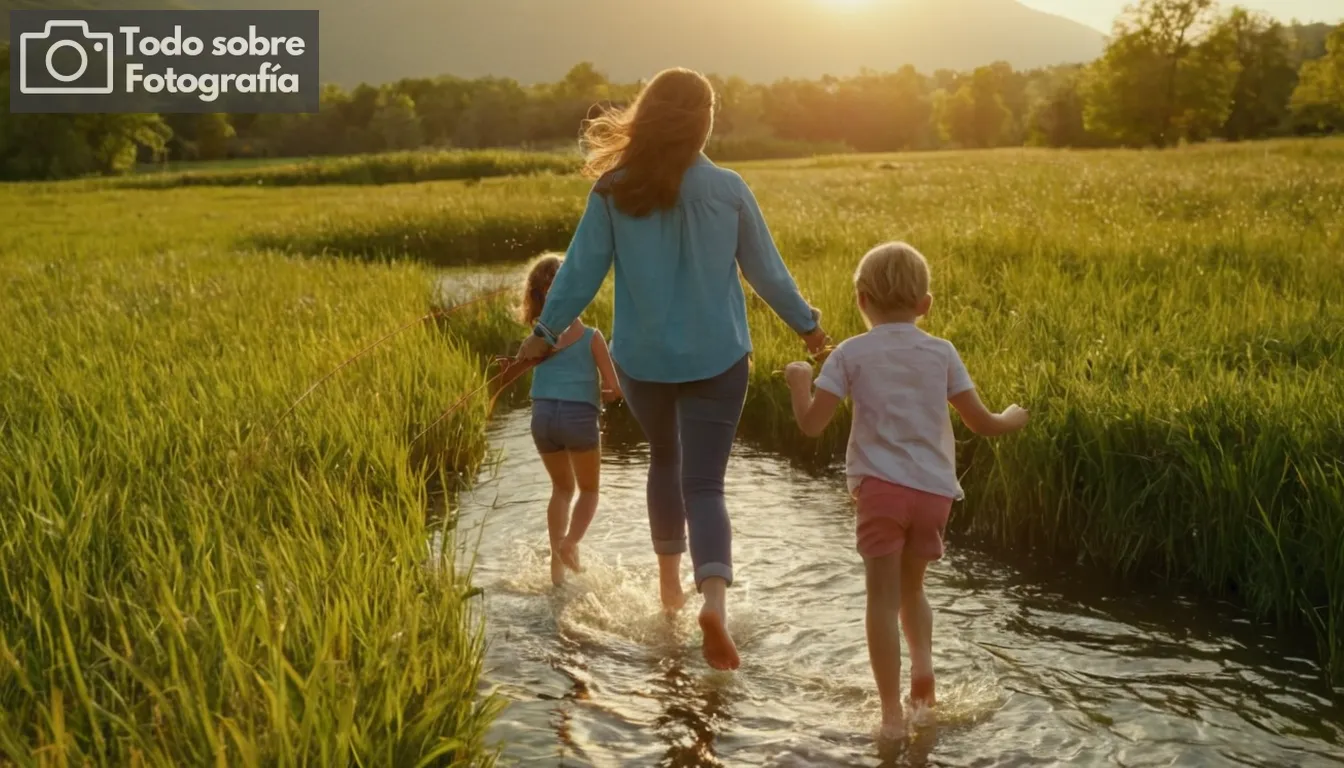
x=917, y=621
x=884, y=638
x=669, y=583
x=557, y=511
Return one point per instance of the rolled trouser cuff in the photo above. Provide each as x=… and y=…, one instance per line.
x=713, y=570
x=669, y=546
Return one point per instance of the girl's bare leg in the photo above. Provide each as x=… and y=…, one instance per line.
x=587, y=471
x=884, y=638
x=557, y=512
x=917, y=621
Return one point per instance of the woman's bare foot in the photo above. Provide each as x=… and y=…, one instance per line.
x=719, y=649
x=568, y=552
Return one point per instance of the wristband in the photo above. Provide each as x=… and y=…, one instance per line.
x=816, y=320
x=544, y=333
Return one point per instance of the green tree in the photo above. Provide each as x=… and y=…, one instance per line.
x=954, y=116
x=1318, y=102
x=199, y=137
x=883, y=112
x=741, y=108
x=1264, y=49
x=494, y=116
x=1011, y=87
x=394, y=124
x=441, y=108
x=1167, y=74
x=583, y=83
x=974, y=116
x=1056, y=117
x=60, y=146
x=804, y=110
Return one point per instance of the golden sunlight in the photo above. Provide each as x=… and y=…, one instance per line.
x=846, y=4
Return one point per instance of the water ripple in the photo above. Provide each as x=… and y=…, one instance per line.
x=1033, y=669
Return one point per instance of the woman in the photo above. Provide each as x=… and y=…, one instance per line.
x=678, y=228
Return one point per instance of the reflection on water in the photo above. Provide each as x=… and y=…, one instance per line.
x=1032, y=670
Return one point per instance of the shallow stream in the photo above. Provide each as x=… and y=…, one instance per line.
x=1033, y=669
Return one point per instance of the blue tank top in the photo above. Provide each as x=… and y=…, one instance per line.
x=569, y=374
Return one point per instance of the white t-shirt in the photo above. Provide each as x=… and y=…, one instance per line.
x=899, y=379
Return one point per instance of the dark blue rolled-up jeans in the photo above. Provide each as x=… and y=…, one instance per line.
x=690, y=427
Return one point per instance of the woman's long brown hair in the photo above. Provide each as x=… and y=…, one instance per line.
x=652, y=142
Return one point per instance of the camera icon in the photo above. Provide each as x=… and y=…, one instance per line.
x=39, y=71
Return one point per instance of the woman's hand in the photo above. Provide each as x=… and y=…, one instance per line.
x=533, y=348
x=817, y=339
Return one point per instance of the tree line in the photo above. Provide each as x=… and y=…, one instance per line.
x=1173, y=71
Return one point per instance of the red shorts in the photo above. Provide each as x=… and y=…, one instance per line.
x=894, y=519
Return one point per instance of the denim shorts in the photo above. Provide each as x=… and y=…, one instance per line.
x=565, y=425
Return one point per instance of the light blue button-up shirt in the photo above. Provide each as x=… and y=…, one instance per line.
x=680, y=311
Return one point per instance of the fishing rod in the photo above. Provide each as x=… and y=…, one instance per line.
x=511, y=369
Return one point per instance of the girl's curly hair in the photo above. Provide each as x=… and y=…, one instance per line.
x=537, y=284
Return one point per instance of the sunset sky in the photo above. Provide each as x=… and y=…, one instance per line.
x=1100, y=13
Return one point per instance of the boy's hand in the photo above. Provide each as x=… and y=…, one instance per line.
x=798, y=374
x=611, y=395
x=1015, y=417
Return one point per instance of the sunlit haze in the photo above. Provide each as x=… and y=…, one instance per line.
x=1102, y=13
x=846, y=5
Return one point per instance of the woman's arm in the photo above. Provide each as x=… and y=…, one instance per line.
x=587, y=262
x=764, y=267
x=611, y=385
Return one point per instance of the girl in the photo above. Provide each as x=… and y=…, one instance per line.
x=566, y=405
x=679, y=231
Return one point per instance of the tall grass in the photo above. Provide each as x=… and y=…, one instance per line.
x=387, y=168
x=175, y=591
x=1174, y=320
x=490, y=222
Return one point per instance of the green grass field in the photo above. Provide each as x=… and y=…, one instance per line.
x=178, y=589
x=389, y=168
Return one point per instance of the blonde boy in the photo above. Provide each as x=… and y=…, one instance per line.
x=900, y=463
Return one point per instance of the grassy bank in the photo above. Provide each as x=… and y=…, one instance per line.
x=175, y=590
x=387, y=168
x=1174, y=319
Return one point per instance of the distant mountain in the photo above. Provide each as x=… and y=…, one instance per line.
x=378, y=41
x=83, y=5
x=763, y=40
